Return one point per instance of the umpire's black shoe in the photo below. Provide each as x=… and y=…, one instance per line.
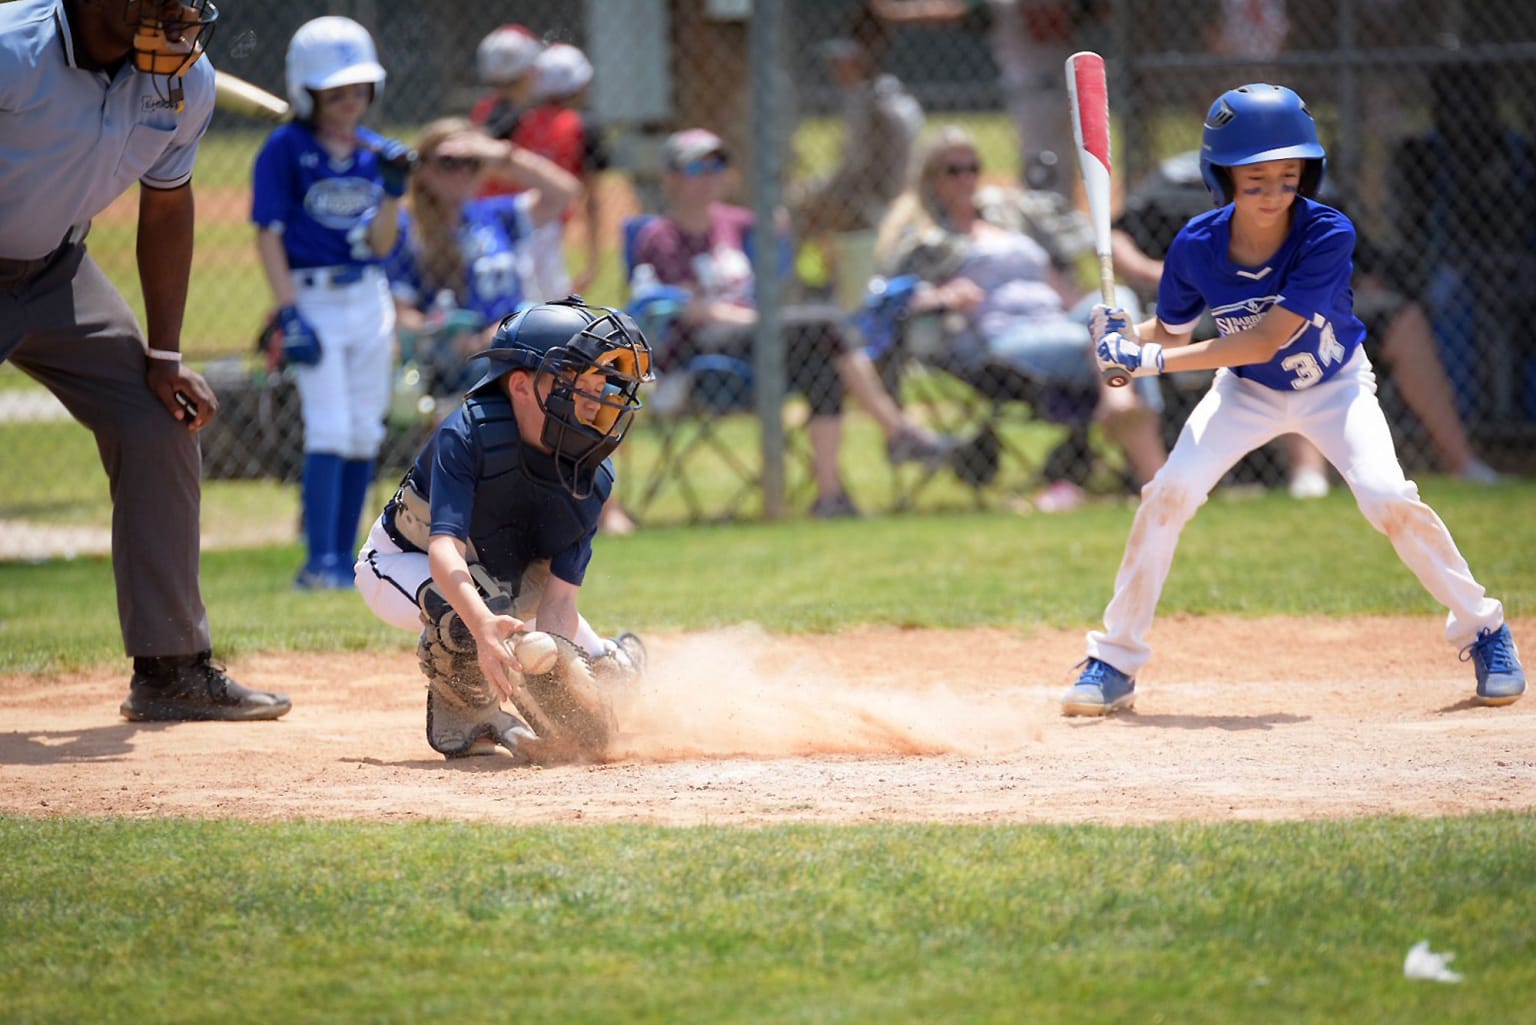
x=181, y=688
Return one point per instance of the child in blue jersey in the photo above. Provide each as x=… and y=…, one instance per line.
x=1273, y=267
x=325, y=204
x=473, y=249
x=491, y=530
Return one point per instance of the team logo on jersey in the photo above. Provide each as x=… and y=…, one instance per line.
x=1241, y=316
x=340, y=202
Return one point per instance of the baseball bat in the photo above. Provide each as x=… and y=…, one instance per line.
x=241, y=97
x=1088, y=99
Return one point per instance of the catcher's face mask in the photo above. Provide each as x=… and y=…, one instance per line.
x=169, y=37
x=589, y=392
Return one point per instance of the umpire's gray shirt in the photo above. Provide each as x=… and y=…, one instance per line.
x=73, y=140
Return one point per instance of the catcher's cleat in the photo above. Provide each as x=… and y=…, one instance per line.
x=622, y=660
x=192, y=688
x=1100, y=689
x=1500, y=679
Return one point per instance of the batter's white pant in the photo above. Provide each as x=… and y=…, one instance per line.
x=345, y=397
x=389, y=578
x=1343, y=418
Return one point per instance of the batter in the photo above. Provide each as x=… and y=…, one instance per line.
x=1273, y=267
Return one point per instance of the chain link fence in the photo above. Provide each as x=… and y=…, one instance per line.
x=824, y=107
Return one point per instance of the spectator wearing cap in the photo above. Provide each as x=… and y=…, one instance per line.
x=838, y=213
x=702, y=245
x=881, y=123
x=556, y=128
x=505, y=61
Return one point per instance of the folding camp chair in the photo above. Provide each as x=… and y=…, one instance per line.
x=981, y=403
x=694, y=415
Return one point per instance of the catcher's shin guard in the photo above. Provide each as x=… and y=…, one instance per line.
x=462, y=710
x=568, y=707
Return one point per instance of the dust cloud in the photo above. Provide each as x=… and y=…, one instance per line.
x=740, y=693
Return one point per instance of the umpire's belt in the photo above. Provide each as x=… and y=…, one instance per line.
x=330, y=277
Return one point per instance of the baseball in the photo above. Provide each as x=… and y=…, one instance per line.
x=536, y=652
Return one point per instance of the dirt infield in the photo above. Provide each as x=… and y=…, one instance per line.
x=1237, y=719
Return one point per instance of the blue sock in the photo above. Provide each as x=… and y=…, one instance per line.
x=356, y=476
x=322, y=494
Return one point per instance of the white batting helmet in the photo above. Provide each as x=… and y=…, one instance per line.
x=326, y=53
x=506, y=54
x=563, y=71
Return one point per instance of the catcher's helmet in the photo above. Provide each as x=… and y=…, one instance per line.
x=586, y=353
x=326, y=53
x=1255, y=123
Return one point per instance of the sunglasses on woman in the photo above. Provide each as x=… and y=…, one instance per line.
x=453, y=164
x=957, y=170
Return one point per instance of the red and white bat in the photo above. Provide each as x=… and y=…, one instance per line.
x=1088, y=99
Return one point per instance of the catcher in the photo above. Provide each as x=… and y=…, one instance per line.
x=490, y=534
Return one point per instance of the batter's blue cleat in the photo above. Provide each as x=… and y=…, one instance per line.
x=1500, y=680
x=1100, y=690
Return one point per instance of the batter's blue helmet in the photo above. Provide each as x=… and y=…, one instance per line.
x=594, y=350
x=1255, y=123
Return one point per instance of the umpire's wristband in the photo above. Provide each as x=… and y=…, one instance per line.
x=169, y=355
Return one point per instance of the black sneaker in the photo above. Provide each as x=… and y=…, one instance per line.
x=182, y=688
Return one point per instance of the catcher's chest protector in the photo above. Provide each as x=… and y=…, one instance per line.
x=522, y=514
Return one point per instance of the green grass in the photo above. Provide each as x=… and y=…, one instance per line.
x=183, y=921
x=1249, y=555
x=178, y=921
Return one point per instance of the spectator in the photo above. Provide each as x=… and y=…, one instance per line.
x=701, y=244
x=100, y=113
x=324, y=200
x=1396, y=327
x=1000, y=263
x=881, y=123
x=556, y=128
x=463, y=261
x=1463, y=195
x=1031, y=40
x=505, y=62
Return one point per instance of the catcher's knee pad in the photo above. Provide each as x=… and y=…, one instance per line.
x=442, y=623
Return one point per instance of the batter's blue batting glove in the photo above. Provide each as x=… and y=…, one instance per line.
x=301, y=346
x=1116, y=352
x=396, y=162
x=1106, y=319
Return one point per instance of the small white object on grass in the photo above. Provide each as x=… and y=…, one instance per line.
x=1423, y=963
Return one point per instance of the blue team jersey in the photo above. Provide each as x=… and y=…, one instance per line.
x=491, y=239
x=1309, y=275
x=322, y=207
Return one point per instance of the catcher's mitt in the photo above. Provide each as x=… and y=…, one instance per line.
x=567, y=708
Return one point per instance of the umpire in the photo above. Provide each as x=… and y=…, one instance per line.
x=94, y=95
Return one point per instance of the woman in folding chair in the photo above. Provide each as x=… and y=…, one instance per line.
x=999, y=264
x=702, y=245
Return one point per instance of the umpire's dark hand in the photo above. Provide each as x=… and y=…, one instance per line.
x=183, y=392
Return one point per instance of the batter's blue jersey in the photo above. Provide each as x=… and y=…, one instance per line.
x=322, y=207
x=1309, y=275
x=495, y=259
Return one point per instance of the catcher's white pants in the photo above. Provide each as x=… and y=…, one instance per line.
x=1343, y=418
x=389, y=578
